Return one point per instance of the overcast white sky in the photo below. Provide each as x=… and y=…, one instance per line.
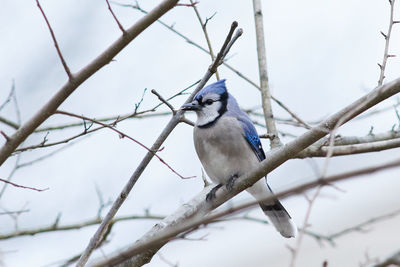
x=322, y=55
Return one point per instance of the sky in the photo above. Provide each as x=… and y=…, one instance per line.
x=322, y=55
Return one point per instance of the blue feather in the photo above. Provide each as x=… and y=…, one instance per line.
x=250, y=133
x=216, y=88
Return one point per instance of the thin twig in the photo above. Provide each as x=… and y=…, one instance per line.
x=10, y=94
x=10, y=176
x=9, y=123
x=66, y=68
x=299, y=241
x=164, y=101
x=54, y=227
x=5, y=136
x=22, y=186
x=116, y=19
x=115, y=120
x=360, y=227
x=122, y=135
x=204, y=28
x=14, y=212
x=297, y=118
x=386, y=54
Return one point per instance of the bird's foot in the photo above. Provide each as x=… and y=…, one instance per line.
x=231, y=182
x=211, y=195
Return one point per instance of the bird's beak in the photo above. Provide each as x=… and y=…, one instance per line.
x=191, y=106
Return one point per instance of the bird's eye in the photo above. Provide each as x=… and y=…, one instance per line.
x=209, y=101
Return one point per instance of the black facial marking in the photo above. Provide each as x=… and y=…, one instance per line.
x=224, y=102
x=200, y=100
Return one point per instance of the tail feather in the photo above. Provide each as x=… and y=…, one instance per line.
x=280, y=218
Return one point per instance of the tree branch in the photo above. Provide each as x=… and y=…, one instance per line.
x=145, y=161
x=64, y=92
x=22, y=186
x=66, y=68
x=386, y=55
x=198, y=207
x=204, y=28
x=343, y=150
x=55, y=227
x=122, y=135
x=188, y=216
x=116, y=19
x=262, y=67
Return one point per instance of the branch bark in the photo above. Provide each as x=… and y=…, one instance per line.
x=77, y=79
x=393, y=260
x=169, y=227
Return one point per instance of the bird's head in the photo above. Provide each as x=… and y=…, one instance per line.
x=210, y=103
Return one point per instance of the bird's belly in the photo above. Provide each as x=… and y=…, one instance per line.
x=223, y=162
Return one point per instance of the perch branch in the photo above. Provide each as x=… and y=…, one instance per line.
x=156, y=146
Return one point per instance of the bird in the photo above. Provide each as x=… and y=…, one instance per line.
x=228, y=146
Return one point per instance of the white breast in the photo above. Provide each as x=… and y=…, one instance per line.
x=223, y=150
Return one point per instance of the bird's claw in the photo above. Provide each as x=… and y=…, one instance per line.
x=231, y=182
x=211, y=195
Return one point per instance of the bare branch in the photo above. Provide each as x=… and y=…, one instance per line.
x=386, y=55
x=164, y=101
x=343, y=150
x=9, y=123
x=10, y=176
x=66, y=68
x=360, y=227
x=262, y=67
x=14, y=212
x=297, y=118
x=22, y=186
x=54, y=227
x=115, y=18
x=191, y=215
x=123, y=135
x=65, y=91
x=10, y=94
x=311, y=201
x=204, y=28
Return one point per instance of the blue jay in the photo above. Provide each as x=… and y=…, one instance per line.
x=228, y=146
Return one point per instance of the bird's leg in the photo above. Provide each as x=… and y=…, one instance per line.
x=211, y=195
x=231, y=182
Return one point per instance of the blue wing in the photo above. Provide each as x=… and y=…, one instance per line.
x=251, y=136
